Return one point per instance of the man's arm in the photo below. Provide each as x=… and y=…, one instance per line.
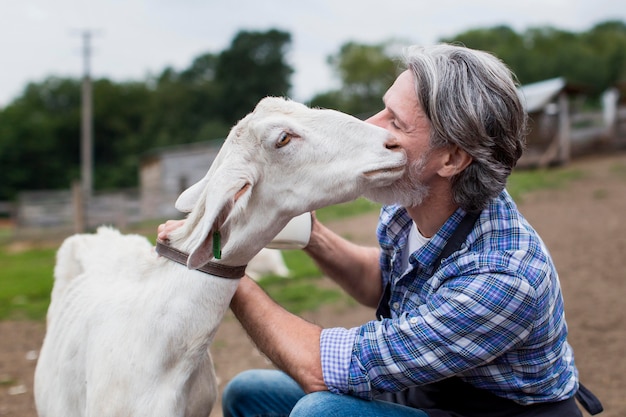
x=355, y=268
x=290, y=342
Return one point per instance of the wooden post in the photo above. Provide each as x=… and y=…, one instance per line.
x=86, y=122
x=565, y=134
x=79, y=207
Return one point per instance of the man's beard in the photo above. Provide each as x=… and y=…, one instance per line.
x=409, y=191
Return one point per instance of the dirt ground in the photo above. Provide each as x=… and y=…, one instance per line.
x=583, y=225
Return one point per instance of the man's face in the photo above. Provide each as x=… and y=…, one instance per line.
x=404, y=118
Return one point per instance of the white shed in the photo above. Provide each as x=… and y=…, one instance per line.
x=547, y=105
x=164, y=173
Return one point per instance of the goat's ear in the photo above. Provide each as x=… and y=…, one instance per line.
x=203, y=252
x=188, y=199
x=214, y=216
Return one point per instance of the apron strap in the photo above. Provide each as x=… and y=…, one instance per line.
x=452, y=245
x=588, y=400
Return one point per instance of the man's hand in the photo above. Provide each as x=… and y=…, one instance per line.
x=164, y=229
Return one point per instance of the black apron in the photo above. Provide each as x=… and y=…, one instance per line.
x=452, y=397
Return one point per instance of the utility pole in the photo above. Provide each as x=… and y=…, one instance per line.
x=86, y=137
x=87, y=120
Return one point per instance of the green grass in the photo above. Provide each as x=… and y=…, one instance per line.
x=25, y=283
x=341, y=211
x=618, y=169
x=5, y=234
x=522, y=182
x=26, y=277
x=299, y=295
x=301, y=291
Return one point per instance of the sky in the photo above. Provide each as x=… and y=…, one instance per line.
x=135, y=39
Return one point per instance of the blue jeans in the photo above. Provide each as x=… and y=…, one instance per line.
x=268, y=393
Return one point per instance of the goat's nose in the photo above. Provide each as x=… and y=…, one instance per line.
x=392, y=143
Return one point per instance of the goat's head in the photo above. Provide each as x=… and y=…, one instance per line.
x=281, y=160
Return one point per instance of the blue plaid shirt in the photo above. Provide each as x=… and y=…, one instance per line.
x=492, y=314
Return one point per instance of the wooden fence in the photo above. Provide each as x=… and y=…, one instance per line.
x=61, y=212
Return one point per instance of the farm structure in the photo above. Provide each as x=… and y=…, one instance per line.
x=560, y=128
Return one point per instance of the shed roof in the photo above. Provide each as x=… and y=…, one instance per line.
x=183, y=147
x=537, y=95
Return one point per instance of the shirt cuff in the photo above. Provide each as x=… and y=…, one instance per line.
x=336, y=345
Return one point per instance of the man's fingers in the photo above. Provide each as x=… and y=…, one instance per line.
x=164, y=229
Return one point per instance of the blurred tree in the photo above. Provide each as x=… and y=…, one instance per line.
x=595, y=59
x=40, y=135
x=119, y=118
x=500, y=40
x=39, y=132
x=185, y=107
x=253, y=67
x=365, y=72
x=607, y=43
x=549, y=53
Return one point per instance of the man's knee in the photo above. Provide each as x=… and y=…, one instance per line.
x=326, y=404
x=258, y=392
x=321, y=403
x=240, y=386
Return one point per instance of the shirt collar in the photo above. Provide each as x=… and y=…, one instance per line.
x=400, y=225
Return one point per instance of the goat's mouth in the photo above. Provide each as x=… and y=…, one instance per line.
x=383, y=171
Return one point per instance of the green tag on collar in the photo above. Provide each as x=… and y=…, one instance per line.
x=217, y=246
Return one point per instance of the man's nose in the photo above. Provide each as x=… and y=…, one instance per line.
x=377, y=119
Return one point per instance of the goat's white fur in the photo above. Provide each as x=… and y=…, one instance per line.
x=128, y=332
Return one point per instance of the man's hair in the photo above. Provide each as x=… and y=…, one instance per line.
x=471, y=100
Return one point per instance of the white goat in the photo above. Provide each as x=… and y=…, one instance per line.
x=267, y=261
x=128, y=332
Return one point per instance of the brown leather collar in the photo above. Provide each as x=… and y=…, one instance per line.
x=212, y=268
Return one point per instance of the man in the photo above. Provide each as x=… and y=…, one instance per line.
x=471, y=319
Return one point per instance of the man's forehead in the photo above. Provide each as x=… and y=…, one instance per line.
x=401, y=96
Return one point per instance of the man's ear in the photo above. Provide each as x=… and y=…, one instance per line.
x=454, y=161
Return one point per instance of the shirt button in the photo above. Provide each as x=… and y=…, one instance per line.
x=396, y=305
x=413, y=320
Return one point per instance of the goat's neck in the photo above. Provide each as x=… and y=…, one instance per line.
x=249, y=236
x=250, y=233
x=242, y=237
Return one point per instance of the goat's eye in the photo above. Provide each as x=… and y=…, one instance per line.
x=284, y=139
